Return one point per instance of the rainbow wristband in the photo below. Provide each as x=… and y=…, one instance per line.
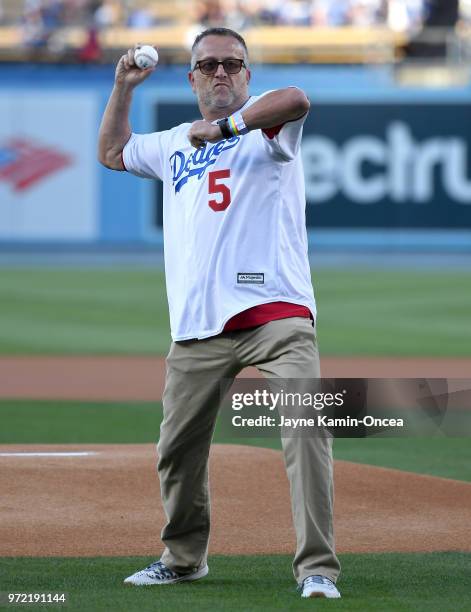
x=236, y=124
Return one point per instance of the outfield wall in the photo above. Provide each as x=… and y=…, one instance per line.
x=386, y=167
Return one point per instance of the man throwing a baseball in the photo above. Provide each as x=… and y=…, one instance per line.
x=238, y=286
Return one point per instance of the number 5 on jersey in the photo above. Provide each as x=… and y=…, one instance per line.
x=217, y=186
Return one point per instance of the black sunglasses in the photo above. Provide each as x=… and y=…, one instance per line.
x=210, y=66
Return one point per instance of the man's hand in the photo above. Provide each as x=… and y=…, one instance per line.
x=204, y=131
x=127, y=73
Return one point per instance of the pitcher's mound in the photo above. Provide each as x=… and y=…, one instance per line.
x=105, y=500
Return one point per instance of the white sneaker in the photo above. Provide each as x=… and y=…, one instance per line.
x=319, y=586
x=159, y=573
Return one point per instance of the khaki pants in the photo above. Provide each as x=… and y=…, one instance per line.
x=286, y=348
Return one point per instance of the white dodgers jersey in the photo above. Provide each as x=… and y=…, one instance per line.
x=234, y=222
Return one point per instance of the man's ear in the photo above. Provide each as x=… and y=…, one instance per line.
x=248, y=75
x=191, y=79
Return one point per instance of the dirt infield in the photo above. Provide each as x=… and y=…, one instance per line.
x=142, y=378
x=107, y=503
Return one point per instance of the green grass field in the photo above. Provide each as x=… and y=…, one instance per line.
x=369, y=582
x=30, y=422
x=110, y=311
x=113, y=311
x=412, y=582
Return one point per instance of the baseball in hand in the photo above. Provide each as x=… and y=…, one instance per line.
x=146, y=57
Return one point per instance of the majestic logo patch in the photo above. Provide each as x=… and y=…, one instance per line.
x=252, y=278
x=195, y=164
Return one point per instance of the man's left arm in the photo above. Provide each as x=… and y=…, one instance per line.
x=270, y=110
x=275, y=108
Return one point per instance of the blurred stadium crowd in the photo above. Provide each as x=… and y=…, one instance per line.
x=39, y=17
x=39, y=21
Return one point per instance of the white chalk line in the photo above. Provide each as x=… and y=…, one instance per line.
x=50, y=454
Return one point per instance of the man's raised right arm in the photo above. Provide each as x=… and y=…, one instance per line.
x=115, y=129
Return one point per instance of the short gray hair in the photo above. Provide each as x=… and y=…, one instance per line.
x=219, y=32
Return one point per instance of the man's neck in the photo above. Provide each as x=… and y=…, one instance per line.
x=219, y=113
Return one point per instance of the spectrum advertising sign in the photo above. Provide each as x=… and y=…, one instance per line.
x=378, y=165
x=389, y=166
